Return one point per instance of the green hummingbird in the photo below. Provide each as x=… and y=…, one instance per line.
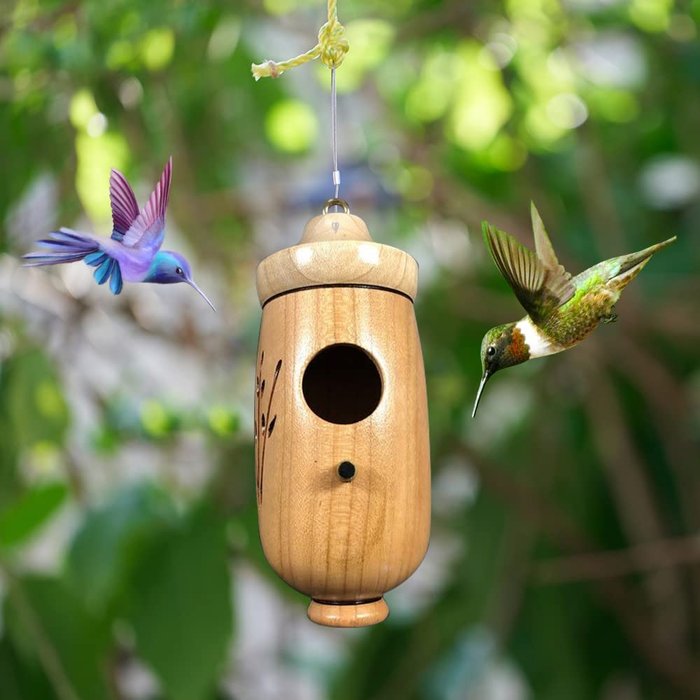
x=561, y=310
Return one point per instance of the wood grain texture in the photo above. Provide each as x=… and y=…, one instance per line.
x=337, y=249
x=349, y=615
x=336, y=540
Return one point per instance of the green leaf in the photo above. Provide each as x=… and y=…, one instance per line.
x=181, y=612
x=51, y=629
x=111, y=541
x=24, y=517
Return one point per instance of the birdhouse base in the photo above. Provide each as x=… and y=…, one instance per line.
x=348, y=614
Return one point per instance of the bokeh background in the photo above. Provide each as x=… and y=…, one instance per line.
x=565, y=553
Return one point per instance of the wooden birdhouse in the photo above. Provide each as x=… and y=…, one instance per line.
x=341, y=422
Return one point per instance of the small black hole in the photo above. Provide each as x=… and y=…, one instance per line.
x=346, y=471
x=342, y=384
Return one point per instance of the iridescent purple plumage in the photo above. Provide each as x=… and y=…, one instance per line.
x=132, y=254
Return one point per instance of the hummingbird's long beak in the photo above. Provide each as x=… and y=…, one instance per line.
x=482, y=384
x=193, y=284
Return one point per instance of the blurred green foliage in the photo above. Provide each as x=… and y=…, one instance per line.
x=566, y=516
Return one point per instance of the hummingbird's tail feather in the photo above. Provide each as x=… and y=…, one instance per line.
x=629, y=261
x=631, y=265
x=62, y=246
x=106, y=268
x=66, y=246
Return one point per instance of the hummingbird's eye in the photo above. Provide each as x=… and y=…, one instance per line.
x=490, y=350
x=178, y=271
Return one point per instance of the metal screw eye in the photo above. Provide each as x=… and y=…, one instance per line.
x=336, y=202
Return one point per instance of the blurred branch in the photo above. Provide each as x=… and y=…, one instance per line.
x=75, y=478
x=596, y=191
x=673, y=664
x=649, y=556
x=618, y=453
x=638, y=510
x=518, y=542
x=668, y=404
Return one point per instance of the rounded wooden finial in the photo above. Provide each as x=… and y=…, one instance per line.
x=335, y=226
x=337, y=249
x=348, y=615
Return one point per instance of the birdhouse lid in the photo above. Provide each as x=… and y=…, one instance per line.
x=336, y=249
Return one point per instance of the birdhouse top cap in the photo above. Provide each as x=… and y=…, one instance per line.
x=337, y=249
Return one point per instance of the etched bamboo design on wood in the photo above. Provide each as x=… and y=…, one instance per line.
x=264, y=424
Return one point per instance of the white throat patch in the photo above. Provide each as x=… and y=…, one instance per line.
x=538, y=343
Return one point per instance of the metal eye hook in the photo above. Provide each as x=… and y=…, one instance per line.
x=336, y=202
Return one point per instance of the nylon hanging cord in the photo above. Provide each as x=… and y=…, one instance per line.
x=334, y=137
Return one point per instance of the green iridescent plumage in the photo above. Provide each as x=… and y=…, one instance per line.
x=561, y=310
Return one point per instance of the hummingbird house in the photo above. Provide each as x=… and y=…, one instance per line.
x=341, y=424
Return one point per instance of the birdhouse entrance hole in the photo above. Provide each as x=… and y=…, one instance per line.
x=342, y=384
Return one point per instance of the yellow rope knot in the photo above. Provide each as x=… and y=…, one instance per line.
x=332, y=47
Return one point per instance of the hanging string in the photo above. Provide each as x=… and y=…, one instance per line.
x=331, y=48
x=334, y=137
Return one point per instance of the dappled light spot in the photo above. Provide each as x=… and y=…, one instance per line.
x=500, y=50
x=131, y=93
x=430, y=96
x=279, y=7
x=97, y=125
x=567, y=110
x=611, y=59
x=157, y=48
x=121, y=54
x=506, y=153
x=670, y=181
x=291, y=126
x=482, y=105
x=224, y=39
x=154, y=418
x=415, y=183
x=651, y=15
x=96, y=156
x=82, y=108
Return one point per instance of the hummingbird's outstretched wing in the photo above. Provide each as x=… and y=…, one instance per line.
x=539, y=287
x=124, y=206
x=148, y=229
x=543, y=246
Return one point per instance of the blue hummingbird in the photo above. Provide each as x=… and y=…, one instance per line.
x=133, y=253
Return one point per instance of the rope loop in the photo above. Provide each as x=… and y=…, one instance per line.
x=332, y=47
